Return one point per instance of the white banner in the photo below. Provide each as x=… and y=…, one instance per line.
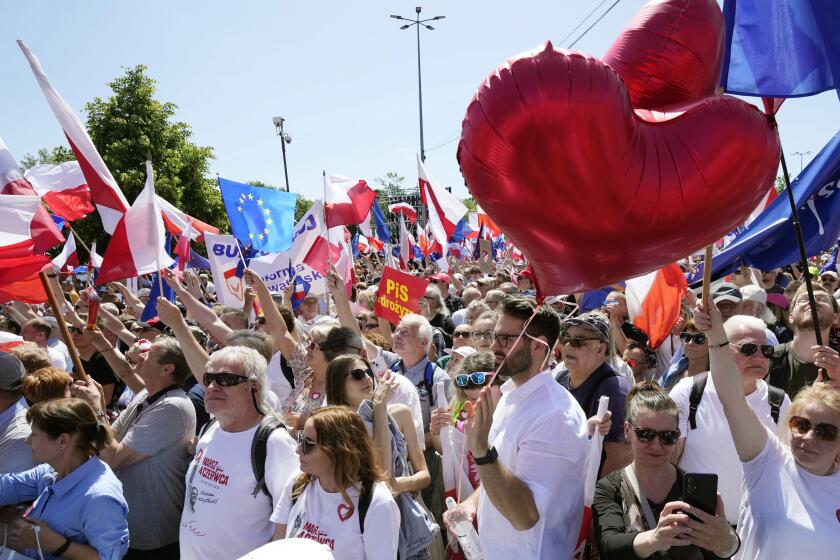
x=223, y=254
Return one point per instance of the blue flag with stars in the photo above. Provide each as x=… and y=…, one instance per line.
x=260, y=217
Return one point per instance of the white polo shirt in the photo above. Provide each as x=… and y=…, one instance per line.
x=539, y=431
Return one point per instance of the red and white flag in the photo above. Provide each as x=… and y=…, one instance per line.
x=445, y=210
x=94, y=258
x=653, y=301
x=347, y=201
x=182, y=248
x=106, y=194
x=18, y=260
x=407, y=244
x=489, y=226
x=176, y=221
x=404, y=209
x=137, y=245
x=68, y=255
x=45, y=233
x=63, y=187
x=9, y=341
x=593, y=465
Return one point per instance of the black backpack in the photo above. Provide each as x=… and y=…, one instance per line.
x=698, y=384
x=365, y=497
x=259, y=449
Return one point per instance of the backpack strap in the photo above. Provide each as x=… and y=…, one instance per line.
x=365, y=498
x=698, y=385
x=259, y=452
x=776, y=397
x=206, y=427
x=428, y=381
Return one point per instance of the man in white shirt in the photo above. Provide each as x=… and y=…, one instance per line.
x=226, y=510
x=38, y=331
x=530, y=450
x=706, y=445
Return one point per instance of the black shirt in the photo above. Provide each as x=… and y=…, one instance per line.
x=97, y=367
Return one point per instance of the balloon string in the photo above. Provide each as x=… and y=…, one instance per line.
x=463, y=454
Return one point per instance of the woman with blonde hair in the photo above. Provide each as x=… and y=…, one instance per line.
x=78, y=506
x=791, y=493
x=340, y=498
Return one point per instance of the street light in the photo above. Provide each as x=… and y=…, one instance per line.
x=284, y=139
x=801, y=155
x=411, y=23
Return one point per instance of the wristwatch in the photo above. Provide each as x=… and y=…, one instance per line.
x=63, y=548
x=491, y=457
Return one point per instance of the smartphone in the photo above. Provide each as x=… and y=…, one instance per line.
x=700, y=491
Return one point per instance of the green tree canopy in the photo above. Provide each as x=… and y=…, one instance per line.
x=57, y=155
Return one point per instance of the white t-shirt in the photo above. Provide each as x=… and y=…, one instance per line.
x=325, y=517
x=279, y=383
x=57, y=359
x=405, y=393
x=57, y=344
x=221, y=517
x=709, y=448
x=787, y=511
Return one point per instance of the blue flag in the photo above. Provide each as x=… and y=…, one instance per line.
x=354, y=245
x=768, y=242
x=781, y=48
x=831, y=265
x=462, y=229
x=197, y=261
x=150, y=310
x=383, y=232
x=260, y=217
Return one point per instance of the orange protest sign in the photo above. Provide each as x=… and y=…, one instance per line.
x=398, y=295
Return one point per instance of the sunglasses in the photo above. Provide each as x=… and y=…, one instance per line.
x=319, y=345
x=646, y=435
x=478, y=378
x=750, y=348
x=372, y=326
x=306, y=444
x=699, y=338
x=462, y=334
x=359, y=373
x=576, y=341
x=74, y=330
x=223, y=379
x=801, y=426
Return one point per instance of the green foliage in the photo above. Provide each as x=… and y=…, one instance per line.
x=471, y=204
x=391, y=184
x=58, y=154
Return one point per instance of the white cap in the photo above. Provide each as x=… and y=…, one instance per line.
x=463, y=351
x=751, y=292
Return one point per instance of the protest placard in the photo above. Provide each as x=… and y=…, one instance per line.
x=398, y=295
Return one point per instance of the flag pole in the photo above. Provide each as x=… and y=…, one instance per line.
x=326, y=226
x=62, y=325
x=707, y=277
x=800, y=241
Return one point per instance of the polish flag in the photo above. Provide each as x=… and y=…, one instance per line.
x=653, y=301
x=347, y=201
x=404, y=209
x=106, y=194
x=45, y=233
x=489, y=226
x=68, y=255
x=17, y=258
x=182, y=249
x=407, y=244
x=9, y=341
x=445, y=210
x=63, y=187
x=422, y=241
x=322, y=254
x=593, y=465
x=29, y=290
x=176, y=221
x=137, y=245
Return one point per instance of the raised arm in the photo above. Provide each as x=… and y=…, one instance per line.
x=133, y=304
x=116, y=360
x=196, y=355
x=202, y=314
x=748, y=433
x=112, y=323
x=283, y=341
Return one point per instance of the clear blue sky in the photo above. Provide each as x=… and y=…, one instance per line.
x=341, y=73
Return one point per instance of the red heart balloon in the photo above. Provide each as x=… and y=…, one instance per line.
x=594, y=190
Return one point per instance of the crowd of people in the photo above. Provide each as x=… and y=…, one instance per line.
x=321, y=430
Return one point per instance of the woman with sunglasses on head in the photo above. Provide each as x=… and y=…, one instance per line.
x=695, y=358
x=310, y=381
x=351, y=382
x=340, y=498
x=791, y=492
x=638, y=510
x=706, y=445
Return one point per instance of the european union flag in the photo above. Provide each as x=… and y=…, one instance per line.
x=261, y=218
x=781, y=48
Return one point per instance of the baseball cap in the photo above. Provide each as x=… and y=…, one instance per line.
x=440, y=277
x=463, y=351
x=595, y=322
x=751, y=292
x=779, y=300
x=11, y=372
x=726, y=291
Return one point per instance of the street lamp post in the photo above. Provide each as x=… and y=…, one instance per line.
x=801, y=155
x=285, y=138
x=411, y=23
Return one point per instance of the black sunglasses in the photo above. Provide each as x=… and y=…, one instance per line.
x=319, y=345
x=74, y=330
x=576, y=341
x=372, y=326
x=749, y=348
x=478, y=378
x=462, y=334
x=306, y=444
x=646, y=435
x=223, y=379
x=698, y=338
x=358, y=374
x=801, y=426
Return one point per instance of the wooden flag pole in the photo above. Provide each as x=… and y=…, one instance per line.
x=78, y=369
x=707, y=278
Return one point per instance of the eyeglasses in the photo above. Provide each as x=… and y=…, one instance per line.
x=434, y=281
x=319, y=345
x=504, y=339
x=698, y=338
x=749, y=348
x=478, y=378
x=223, y=379
x=74, y=330
x=576, y=341
x=486, y=335
x=372, y=326
x=306, y=444
x=646, y=435
x=462, y=334
x=801, y=426
x=359, y=373
x=828, y=279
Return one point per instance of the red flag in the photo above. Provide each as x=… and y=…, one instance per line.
x=182, y=249
x=347, y=201
x=63, y=187
x=29, y=290
x=321, y=254
x=654, y=300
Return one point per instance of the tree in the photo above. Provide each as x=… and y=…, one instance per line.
x=391, y=184
x=58, y=154
x=471, y=204
x=302, y=204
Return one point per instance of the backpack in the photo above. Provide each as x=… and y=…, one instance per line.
x=365, y=497
x=428, y=378
x=698, y=384
x=259, y=449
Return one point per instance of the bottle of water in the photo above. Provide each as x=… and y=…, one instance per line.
x=467, y=537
